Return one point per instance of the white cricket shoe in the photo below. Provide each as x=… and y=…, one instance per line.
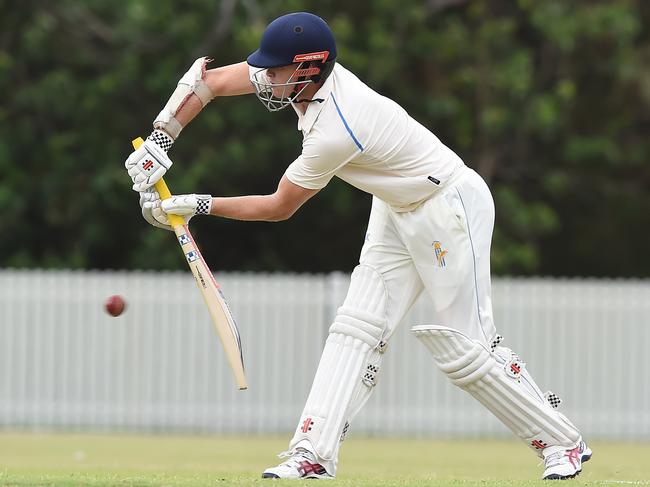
x=560, y=463
x=302, y=464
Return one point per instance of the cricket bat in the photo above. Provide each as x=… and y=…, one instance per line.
x=214, y=299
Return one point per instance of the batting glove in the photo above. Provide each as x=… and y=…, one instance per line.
x=188, y=205
x=152, y=211
x=149, y=162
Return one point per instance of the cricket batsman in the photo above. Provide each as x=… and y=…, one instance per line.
x=430, y=229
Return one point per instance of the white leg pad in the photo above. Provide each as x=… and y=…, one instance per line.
x=348, y=367
x=500, y=382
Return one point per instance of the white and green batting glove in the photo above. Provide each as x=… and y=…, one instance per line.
x=188, y=205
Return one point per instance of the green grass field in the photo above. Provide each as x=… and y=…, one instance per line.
x=67, y=460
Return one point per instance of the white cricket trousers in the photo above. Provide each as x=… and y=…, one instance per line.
x=442, y=246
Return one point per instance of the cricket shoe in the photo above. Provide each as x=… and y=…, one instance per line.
x=560, y=463
x=301, y=464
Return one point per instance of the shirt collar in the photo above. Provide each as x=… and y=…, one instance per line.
x=306, y=120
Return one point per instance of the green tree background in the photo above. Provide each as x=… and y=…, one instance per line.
x=549, y=101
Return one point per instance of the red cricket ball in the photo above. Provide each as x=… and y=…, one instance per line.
x=115, y=305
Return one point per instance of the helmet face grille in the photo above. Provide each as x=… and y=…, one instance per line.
x=264, y=88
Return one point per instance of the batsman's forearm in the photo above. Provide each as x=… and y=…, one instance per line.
x=190, y=110
x=231, y=80
x=250, y=208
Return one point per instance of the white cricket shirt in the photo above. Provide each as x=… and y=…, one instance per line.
x=370, y=142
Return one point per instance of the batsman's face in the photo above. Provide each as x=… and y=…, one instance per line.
x=279, y=76
x=276, y=87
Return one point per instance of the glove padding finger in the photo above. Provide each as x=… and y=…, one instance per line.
x=188, y=205
x=147, y=164
x=152, y=211
x=148, y=196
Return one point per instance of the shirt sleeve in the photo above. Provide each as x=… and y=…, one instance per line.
x=320, y=160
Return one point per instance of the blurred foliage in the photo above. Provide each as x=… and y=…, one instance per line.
x=549, y=101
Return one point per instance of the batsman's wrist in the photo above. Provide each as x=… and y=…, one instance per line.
x=203, y=204
x=161, y=139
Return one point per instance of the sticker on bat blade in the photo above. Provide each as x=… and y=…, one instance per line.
x=201, y=279
x=183, y=239
x=192, y=256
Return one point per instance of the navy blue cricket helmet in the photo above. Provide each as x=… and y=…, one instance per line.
x=294, y=38
x=298, y=38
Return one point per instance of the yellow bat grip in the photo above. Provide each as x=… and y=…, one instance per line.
x=162, y=189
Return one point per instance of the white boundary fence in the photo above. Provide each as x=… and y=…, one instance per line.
x=65, y=364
